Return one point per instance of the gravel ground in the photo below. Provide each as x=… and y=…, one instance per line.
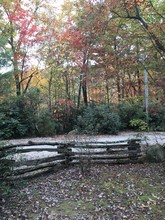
x=149, y=137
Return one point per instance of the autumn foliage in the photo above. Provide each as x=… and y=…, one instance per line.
x=87, y=53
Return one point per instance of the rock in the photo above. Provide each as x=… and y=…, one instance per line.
x=73, y=132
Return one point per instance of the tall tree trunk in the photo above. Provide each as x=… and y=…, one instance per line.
x=123, y=88
x=67, y=94
x=17, y=79
x=79, y=91
x=50, y=90
x=139, y=83
x=84, y=89
x=118, y=88
x=107, y=92
x=83, y=80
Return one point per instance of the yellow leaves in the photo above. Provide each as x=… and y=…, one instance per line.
x=34, y=74
x=5, y=3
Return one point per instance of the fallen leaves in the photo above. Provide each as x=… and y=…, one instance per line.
x=110, y=192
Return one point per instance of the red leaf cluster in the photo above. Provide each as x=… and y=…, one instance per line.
x=25, y=25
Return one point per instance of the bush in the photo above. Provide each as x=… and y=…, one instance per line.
x=45, y=124
x=128, y=112
x=10, y=122
x=18, y=116
x=64, y=113
x=157, y=118
x=139, y=124
x=98, y=119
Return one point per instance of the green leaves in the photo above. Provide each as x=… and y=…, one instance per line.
x=98, y=120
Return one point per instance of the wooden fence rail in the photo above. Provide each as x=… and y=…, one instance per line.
x=34, y=158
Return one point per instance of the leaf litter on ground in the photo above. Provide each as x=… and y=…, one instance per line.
x=132, y=191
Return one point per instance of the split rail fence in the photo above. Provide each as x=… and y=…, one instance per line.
x=34, y=158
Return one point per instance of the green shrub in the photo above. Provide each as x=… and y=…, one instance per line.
x=155, y=153
x=98, y=119
x=45, y=124
x=10, y=122
x=64, y=113
x=128, y=111
x=18, y=116
x=139, y=124
x=157, y=118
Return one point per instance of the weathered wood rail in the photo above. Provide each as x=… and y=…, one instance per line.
x=33, y=158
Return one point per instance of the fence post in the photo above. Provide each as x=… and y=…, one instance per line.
x=133, y=149
x=66, y=151
x=6, y=164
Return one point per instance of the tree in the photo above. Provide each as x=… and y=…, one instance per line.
x=141, y=11
x=88, y=53
x=22, y=34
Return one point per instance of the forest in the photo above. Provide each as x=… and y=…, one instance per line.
x=80, y=67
